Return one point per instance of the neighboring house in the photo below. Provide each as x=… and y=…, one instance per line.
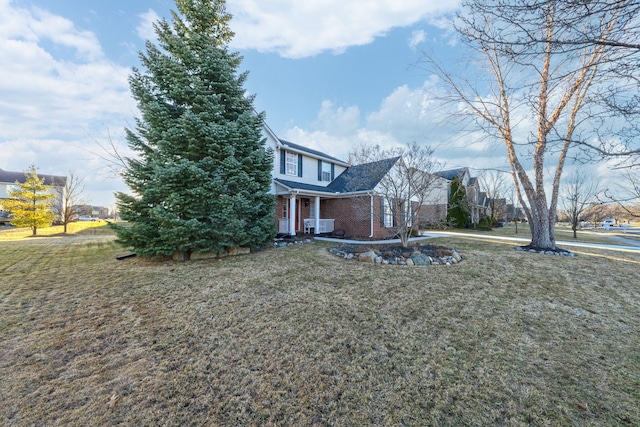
x=8, y=179
x=434, y=207
x=478, y=202
x=317, y=193
x=93, y=211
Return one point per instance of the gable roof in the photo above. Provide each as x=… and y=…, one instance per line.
x=10, y=177
x=314, y=153
x=451, y=173
x=357, y=178
x=363, y=177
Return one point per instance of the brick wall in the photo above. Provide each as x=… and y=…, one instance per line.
x=433, y=213
x=353, y=215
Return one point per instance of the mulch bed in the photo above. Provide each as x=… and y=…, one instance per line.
x=396, y=251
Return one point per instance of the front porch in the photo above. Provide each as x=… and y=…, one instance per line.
x=301, y=214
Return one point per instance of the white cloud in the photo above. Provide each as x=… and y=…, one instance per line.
x=341, y=120
x=417, y=37
x=145, y=29
x=404, y=116
x=57, y=87
x=297, y=29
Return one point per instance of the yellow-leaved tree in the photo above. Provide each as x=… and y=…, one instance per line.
x=31, y=202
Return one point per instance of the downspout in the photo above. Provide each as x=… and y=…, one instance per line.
x=371, y=210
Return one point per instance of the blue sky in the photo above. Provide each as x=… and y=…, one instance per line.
x=330, y=74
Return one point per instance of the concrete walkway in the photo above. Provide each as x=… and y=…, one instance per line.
x=433, y=234
x=628, y=242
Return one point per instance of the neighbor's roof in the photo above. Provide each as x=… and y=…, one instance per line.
x=310, y=151
x=10, y=177
x=451, y=173
x=363, y=177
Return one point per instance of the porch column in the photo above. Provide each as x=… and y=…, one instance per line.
x=292, y=215
x=316, y=206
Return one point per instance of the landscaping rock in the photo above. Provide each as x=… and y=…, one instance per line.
x=420, y=259
x=369, y=256
x=416, y=255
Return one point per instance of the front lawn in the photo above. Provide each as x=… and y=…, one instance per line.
x=297, y=336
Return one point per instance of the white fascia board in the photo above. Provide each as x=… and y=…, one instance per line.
x=313, y=156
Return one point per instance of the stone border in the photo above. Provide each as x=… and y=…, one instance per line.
x=416, y=258
x=559, y=252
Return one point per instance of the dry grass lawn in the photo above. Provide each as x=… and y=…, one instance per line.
x=296, y=336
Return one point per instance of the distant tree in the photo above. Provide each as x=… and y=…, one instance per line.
x=555, y=80
x=404, y=187
x=628, y=195
x=496, y=184
x=31, y=202
x=69, y=195
x=579, y=193
x=458, y=213
x=202, y=177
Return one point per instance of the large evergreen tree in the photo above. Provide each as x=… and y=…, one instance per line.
x=202, y=174
x=31, y=202
x=458, y=212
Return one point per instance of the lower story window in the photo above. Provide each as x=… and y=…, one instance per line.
x=387, y=214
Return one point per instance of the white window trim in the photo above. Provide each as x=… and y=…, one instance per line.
x=387, y=214
x=291, y=164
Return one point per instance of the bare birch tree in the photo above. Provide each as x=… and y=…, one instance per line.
x=558, y=83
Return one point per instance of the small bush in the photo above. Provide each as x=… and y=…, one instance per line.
x=484, y=223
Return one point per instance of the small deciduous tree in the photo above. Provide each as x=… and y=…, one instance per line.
x=404, y=178
x=31, y=202
x=458, y=212
x=579, y=193
x=69, y=195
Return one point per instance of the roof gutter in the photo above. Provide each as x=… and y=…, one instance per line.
x=306, y=153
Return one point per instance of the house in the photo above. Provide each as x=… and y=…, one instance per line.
x=318, y=193
x=477, y=199
x=8, y=180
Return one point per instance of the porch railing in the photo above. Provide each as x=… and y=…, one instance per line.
x=325, y=225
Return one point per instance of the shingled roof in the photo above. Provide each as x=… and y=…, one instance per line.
x=357, y=178
x=9, y=177
x=292, y=185
x=451, y=173
x=363, y=177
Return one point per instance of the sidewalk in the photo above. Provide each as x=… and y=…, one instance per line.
x=433, y=234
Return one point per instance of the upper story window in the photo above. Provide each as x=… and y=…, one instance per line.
x=291, y=164
x=325, y=171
